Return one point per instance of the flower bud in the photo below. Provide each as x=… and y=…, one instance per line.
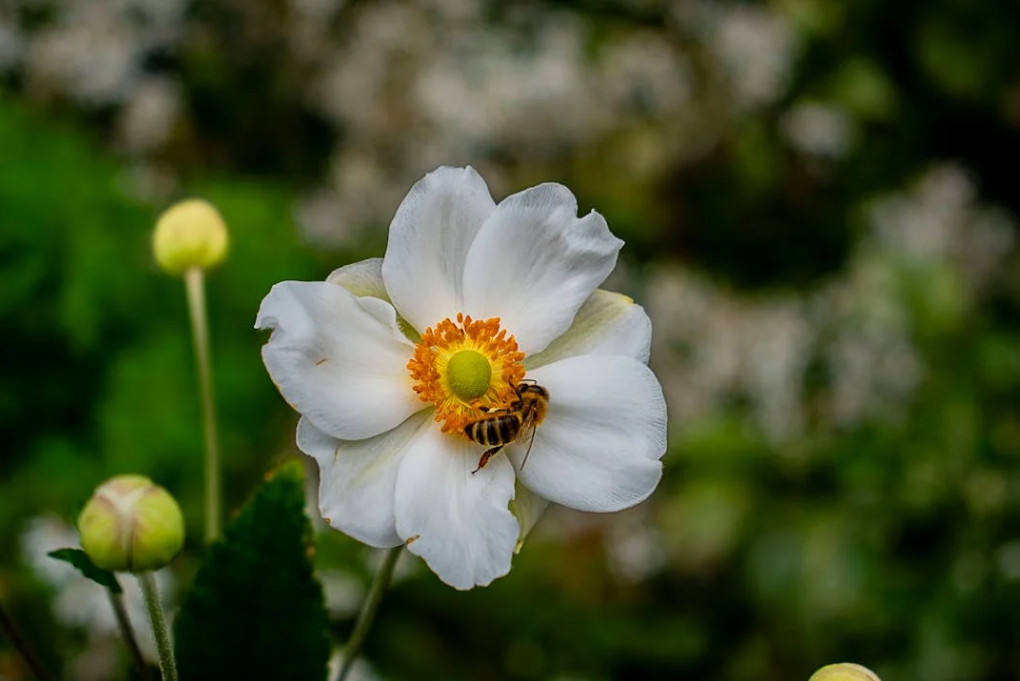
x=844, y=671
x=131, y=524
x=189, y=234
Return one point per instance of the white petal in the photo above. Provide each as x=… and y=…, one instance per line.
x=607, y=324
x=600, y=444
x=358, y=478
x=339, y=365
x=429, y=239
x=386, y=315
x=457, y=521
x=527, y=507
x=362, y=278
x=534, y=263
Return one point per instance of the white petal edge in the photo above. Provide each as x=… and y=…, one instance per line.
x=600, y=444
x=534, y=263
x=341, y=366
x=607, y=324
x=428, y=242
x=458, y=522
x=528, y=508
x=362, y=278
x=358, y=478
x=364, y=281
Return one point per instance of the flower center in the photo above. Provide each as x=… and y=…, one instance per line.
x=468, y=373
x=461, y=366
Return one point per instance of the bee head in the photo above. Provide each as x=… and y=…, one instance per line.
x=533, y=390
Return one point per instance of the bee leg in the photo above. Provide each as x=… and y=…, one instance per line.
x=493, y=410
x=485, y=409
x=489, y=453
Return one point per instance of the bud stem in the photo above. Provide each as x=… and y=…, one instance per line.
x=7, y=625
x=167, y=664
x=194, y=283
x=124, y=623
x=368, y=610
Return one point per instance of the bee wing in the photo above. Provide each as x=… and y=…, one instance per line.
x=528, y=433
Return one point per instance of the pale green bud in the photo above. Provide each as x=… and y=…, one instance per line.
x=189, y=234
x=844, y=671
x=131, y=524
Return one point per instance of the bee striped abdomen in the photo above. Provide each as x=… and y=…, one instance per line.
x=496, y=430
x=506, y=424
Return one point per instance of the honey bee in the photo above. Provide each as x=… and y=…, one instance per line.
x=516, y=421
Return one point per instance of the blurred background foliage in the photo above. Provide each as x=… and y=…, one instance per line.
x=820, y=208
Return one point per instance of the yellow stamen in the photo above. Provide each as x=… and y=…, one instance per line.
x=464, y=365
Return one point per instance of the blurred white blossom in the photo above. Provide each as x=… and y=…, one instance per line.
x=410, y=86
x=633, y=546
x=95, y=51
x=715, y=345
x=12, y=44
x=712, y=344
x=95, y=64
x=941, y=219
x=818, y=129
x=344, y=593
x=361, y=670
x=753, y=47
x=149, y=114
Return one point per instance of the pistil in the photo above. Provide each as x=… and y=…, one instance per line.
x=461, y=366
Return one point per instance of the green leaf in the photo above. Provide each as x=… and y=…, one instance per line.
x=80, y=560
x=255, y=610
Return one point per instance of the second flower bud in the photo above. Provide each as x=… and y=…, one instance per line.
x=131, y=524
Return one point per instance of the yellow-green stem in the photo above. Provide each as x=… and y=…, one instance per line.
x=167, y=663
x=194, y=283
x=124, y=623
x=368, y=610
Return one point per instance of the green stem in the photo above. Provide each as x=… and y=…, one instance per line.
x=7, y=624
x=120, y=612
x=368, y=610
x=194, y=283
x=167, y=664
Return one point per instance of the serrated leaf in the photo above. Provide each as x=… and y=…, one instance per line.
x=256, y=610
x=81, y=561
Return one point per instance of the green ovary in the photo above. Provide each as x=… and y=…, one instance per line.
x=468, y=373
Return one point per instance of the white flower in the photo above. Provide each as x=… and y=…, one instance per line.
x=389, y=359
